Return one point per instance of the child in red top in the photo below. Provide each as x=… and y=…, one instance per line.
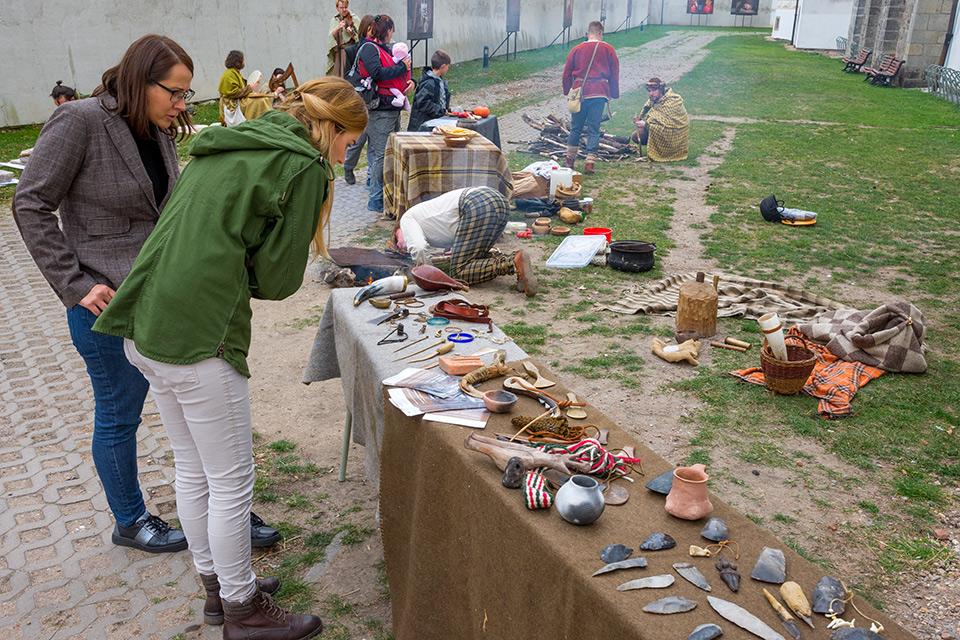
x=396, y=86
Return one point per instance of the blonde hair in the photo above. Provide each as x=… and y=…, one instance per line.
x=327, y=107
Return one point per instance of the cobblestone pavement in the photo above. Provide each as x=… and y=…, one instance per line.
x=60, y=576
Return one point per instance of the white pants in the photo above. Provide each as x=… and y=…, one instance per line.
x=205, y=408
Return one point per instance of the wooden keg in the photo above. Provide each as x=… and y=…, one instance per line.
x=697, y=308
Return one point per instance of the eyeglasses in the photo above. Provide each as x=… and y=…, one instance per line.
x=176, y=95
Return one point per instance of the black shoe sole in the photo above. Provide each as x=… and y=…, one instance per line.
x=350, y=180
x=167, y=548
x=214, y=620
x=263, y=543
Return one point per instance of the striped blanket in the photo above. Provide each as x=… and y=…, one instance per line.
x=420, y=166
x=737, y=296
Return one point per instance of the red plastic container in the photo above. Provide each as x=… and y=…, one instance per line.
x=598, y=231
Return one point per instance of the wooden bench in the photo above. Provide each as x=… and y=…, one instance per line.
x=853, y=64
x=883, y=75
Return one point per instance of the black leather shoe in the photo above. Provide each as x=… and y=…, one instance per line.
x=151, y=534
x=348, y=176
x=260, y=534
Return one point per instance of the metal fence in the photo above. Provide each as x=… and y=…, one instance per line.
x=842, y=44
x=944, y=82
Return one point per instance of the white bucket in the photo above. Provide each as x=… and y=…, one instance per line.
x=561, y=176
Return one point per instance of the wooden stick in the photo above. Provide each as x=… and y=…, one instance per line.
x=737, y=343
x=721, y=345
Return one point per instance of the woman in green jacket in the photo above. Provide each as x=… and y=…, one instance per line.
x=238, y=225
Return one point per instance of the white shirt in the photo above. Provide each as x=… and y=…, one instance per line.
x=433, y=223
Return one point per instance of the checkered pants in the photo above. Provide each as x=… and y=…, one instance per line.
x=483, y=216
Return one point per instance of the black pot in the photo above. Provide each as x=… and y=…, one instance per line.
x=631, y=255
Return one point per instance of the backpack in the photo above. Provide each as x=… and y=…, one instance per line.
x=771, y=208
x=366, y=87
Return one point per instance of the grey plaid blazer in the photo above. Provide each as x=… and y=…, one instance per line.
x=86, y=164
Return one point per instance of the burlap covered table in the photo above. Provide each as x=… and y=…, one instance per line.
x=419, y=166
x=466, y=559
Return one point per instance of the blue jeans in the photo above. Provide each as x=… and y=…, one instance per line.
x=380, y=125
x=119, y=390
x=590, y=114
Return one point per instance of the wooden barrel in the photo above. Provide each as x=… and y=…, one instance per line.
x=697, y=308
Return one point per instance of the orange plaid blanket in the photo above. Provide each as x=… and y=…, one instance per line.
x=833, y=381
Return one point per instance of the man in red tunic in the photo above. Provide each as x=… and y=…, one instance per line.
x=593, y=67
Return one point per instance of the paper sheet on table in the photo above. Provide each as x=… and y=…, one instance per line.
x=473, y=418
x=435, y=382
x=414, y=403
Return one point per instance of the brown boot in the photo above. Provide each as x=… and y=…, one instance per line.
x=526, y=279
x=588, y=165
x=213, y=607
x=261, y=618
x=571, y=158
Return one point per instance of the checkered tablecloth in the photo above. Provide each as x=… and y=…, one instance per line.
x=420, y=166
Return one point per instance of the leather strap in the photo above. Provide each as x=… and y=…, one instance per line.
x=463, y=311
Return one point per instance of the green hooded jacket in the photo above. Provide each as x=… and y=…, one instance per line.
x=238, y=224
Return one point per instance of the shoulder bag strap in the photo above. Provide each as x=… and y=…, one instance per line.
x=590, y=65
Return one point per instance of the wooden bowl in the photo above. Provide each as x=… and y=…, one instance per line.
x=456, y=142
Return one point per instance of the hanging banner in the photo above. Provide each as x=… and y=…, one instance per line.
x=419, y=19
x=567, y=13
x=513, y=15
x=704, y=7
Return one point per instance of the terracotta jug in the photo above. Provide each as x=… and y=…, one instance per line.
x=688, y=497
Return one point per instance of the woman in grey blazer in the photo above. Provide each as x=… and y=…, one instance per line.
x=108, y=163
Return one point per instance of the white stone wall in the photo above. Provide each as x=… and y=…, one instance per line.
x=49, y=40
x=820, y=22
x=675, y=12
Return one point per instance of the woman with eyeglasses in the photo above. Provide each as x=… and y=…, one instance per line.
x=108, y=163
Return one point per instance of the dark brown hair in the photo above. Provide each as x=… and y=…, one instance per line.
x=382, y=25
x=595, y=27
x=63, y=90
x=234, y=60
x=146, y=61
x=439, y=58
x=365, y=23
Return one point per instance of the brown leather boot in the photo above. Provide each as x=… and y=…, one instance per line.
x=571, y=158
x=588, y=165
x=260, y=618
x=213, y=607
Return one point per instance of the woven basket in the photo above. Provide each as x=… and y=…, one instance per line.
x=787, y=378
x=572, y=191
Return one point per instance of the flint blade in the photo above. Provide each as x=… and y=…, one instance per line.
x=743, y=619
x=791, y=629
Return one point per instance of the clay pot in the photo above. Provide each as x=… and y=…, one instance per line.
x=541, y=226
x=688, y=499
x=499, y=401
x=580, y=500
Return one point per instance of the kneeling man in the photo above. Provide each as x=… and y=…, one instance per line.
x=468, y=222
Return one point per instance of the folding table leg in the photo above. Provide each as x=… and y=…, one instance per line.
x=345, y=449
